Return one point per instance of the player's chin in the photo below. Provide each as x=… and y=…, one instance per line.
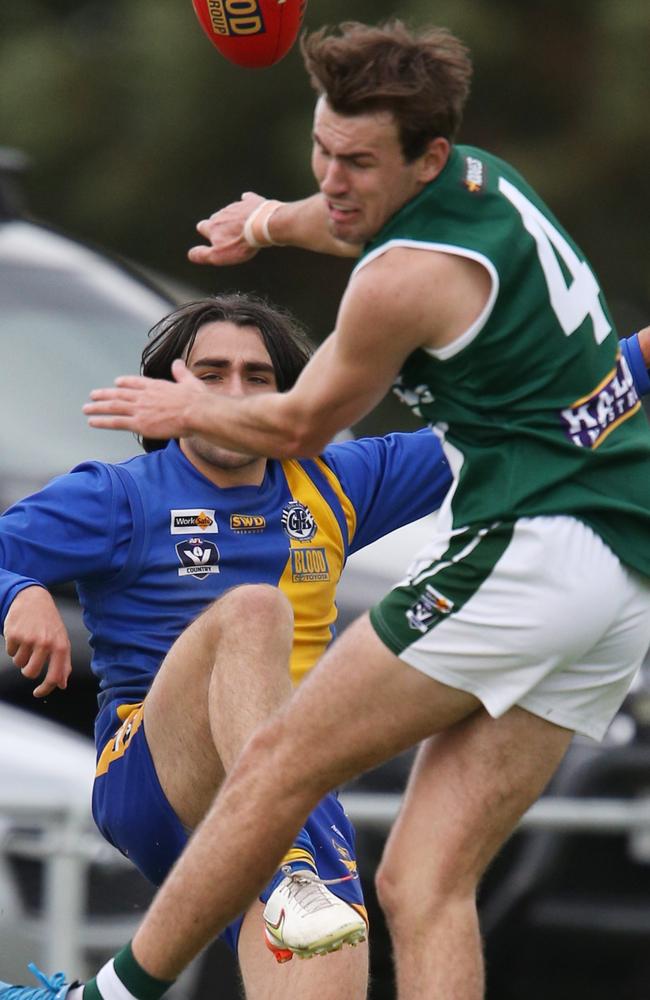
x=234, y=460
x=222, y=458
x=347, y=231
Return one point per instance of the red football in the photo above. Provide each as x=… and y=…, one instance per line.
x=251, y=33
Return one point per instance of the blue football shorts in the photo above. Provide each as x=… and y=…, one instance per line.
x=134, y=815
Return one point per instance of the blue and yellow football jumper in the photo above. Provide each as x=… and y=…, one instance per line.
x=151, y=543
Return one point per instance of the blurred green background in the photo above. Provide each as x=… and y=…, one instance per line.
x=136, y=128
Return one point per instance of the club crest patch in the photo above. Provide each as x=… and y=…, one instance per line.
x=198, y=558
x=298, y=521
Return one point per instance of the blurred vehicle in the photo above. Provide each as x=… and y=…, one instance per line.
x=71, y=317
x=565, y=907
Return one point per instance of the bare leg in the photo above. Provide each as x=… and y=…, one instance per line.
x=468, y=789
x=341, y=974
x=359, y=707
x=219, y=681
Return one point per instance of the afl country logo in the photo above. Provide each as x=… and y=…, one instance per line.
x=197, y=557
x=428, y=610
x=298, y=522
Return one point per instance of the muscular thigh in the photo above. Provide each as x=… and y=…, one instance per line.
x=358, y=707
x=468, y=789
x=177, y=724
x=539, y=613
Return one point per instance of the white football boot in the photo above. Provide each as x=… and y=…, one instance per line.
x=302, y=917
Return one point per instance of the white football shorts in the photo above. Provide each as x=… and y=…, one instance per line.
x=538, y=613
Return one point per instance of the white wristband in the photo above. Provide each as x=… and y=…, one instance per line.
x=256, y=228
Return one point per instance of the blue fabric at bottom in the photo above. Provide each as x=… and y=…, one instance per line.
x=133, y=814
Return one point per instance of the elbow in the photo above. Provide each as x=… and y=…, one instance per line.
x=305, y=438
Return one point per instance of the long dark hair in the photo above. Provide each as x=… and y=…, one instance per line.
x=173, y=337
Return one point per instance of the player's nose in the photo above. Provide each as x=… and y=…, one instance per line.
x=334, y=181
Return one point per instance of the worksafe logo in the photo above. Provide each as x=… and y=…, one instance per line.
x=298, y=521
x=428, y=610
x=244, y=524
x=197, y=557
x=186, y=522
x=309, y=565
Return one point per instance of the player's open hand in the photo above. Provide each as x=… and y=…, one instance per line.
x=35, y=636
x=224, y=231
x=152, y=407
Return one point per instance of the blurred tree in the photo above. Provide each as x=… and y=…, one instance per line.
x=137, y=128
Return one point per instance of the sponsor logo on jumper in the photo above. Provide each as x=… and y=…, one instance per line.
x=197, y=557
x=246, y=523
x=309, y=565
x=589, y=420
x=236, y=17
x=474, y=179
x=298, y=521
x=429, y=609
x=186, y=522
x=415, y=397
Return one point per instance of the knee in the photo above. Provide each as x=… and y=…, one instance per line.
x=254, y=602
x=254, y=608
x=413, y=895
x=390, y=884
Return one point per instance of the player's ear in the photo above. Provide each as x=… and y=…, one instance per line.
x=433, y=159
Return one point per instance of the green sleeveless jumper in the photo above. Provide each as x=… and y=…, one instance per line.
x=536, y=408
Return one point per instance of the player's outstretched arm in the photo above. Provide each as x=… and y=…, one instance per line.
x=398, y=302
x=644, y=343
x=36, y=637
x=636, y=351
x=238, y=231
